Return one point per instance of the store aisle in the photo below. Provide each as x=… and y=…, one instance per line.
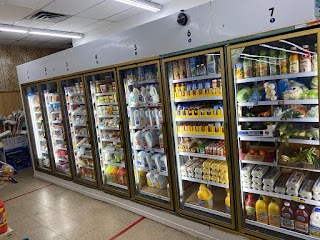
x=39, y=210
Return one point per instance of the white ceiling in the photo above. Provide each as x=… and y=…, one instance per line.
x=86, y=16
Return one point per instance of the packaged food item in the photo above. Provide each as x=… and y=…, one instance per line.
x=247, y=68
x=211, y=64
x=274, y=211
x=188, y=70
x=215, y=166
x=184, y=167
x=283, y=58
x=280, y=186
x=273, y=63
x=239, y=69
x=295, y=180
x=259, y=171
x=246, y=170
x=287, y=216
x=257, y=180
x=292, y=191
x=176, y=70
x=315, y=222
x=305, y=60
x=193, y=66
x=227, y=202
x=263, y=64
x=250, y=207
x=293, y=61
x=256, y=186
x=316, y=186
x=302, y=218
x=215, y=179
x=205, y=197
x=262, y=211
x=268, y=188
x=272, y=176
x=6, y=169
x=182, y=68
x=315, y=58
x=306, y=189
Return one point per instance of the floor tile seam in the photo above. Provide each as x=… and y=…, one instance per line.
x=21, y=195
x=127, y=228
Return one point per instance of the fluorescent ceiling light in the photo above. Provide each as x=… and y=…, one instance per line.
x=56, y=34
x=16, y=30
x=151, y=6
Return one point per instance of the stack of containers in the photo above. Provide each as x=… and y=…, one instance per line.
x=306, y=189
x=257, y=176
x=206, y=169
x=270, y=179
x=294, y=183
x=246, y=175
x=223, y=173
x=316, y=190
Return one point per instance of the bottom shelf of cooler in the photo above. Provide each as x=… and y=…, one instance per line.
x=219, y=195
x=155, y=192
x=281, y=230
x=117, y=185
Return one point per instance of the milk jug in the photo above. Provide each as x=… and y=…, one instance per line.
x=163, y=163
x=143, y=95
x=141, y=159
x=161, y=181
x=143, y=139
x=154, y=94
x=157, y=159
x=142, y=118
x=150, y=179
x=134, y=96
x=160, y=118
x=138, y=140
x=149, y=136
x=136, y=118
x=315, y=222
x=155, y=118
x=148, y=117
x=148, y=159
x=161, y=140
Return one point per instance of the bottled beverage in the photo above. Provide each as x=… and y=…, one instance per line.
x=205, y=196
x=257, y=69
x=211, y=64
x=315, y=58
x=294, y=61
x=227, y=202
x=247, y=68
x=287, y=216
x=183, y=89
x=175, y=70
x=262, y=211
x=315, y=222
x=239, y=69
x=273, y=63
x=305, y=60
x=3, y=218
x=121, y=176
x=250, y=209
x=283, y=62
x=274, y=213
x=302, y=219
x=182, y=69
x=263, y=64
x=266, y=198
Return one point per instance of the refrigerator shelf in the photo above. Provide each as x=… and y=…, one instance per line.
x=155, y=192
x=114, y=164
x=40, y=130
x=274, y=119
x=78, y=113
x=117, y=140
x=145, y=105
x=205, y=182
x=301, y=141
x=190, y=205
x=201, y=136
x=61, y=148
x=200, y=155
x=298, y=168
x=59, y=139
x=84, y=145
x=276, y=77
x=53, y=103
x=279, y=102
x=112, y=151
x=110, y=128
x=208, y=98
x=85, y=156
x=144, y=169
x=281, y=230
x=105, y=94
x=259, y=163
x=143, y=82
x=257, y=139
x=76, y=103
x=81, y=135
x=39, y=121
x=159, y=150
x=75, y=94
x=37, y=112
x=55, y=112
x=36, y=105
x=210, y=76
x=42, y=140
x=107, y=104
x=108, y=116
x=274, y=139
x=80, y=125
x=199, y=119
x=44, y=152
x=282, y=196
x=149, y=127
x=57, y=122
x=117, y=185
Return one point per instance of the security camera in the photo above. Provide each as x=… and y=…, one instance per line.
x=182, y=18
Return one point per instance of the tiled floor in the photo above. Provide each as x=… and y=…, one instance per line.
x=55, y=213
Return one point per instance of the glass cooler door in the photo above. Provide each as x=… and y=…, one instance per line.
x=75, y=112
x=54, y=123
x=275, y=82
x=143, y=116
x=104, y=109
x=39, y=142
x=195, y=85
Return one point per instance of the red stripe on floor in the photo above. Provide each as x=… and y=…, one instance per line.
x=28, y=192
x=126, y=229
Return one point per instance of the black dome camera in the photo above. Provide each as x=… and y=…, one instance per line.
x=182, y=18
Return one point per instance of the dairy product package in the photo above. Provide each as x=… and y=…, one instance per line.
x=316, y=186
x=198, y=172
x=198, y=175
x=215, y=179
x=183, y=168
x=216, y=165
x=246, y=179
x=268, y=188
x=246, y=185
x=191, y=168
x=293, y=192
x=316, y=196
x=256, y=186
x=224, y=180
x=206, y=177
x=295, y=180
x=223, y=174
x=259, y=171
x=257, y=180
x=246, y=170
x=214, y=173
x=206, y=171
x=280, y=186
x=207, y=163
x=224, y=167
x=272, y=176
x=306, y=189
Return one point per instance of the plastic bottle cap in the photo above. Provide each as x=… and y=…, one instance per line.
x=302, y=206
x=261, y=198
x=287, y=204
x=317, y=209
x=250, y=195
x=293, y=48
x=305, y=46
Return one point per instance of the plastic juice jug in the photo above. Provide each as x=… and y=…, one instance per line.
x=266, y=198
x=3, y=218
x=205, y=196
x=305, y=60
x=160, y=117
x=163, y=162
x=287, y=216
x=138, y=141
x=154, y=94
x=315, y=58
x=150, y=139
x=148, y=118
x=263, y=64
x=156, y=161
x=250, y=207
x=247, y=68
x=227, y=202
x=114, y=174
x=121, y=176
x=293, y=61
x=136, y=118
x=302, y=218
x=108, y=172
x=274, y=211
x=148, y=160
x=161, y=181
x=155, y=118
x=183, y=89
x=273, y=63
x=142, y=117
x=143, y=95
x=151, y=180
x=315, y=222
x=262, y=211
x=239, y=69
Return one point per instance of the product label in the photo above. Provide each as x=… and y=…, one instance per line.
x=314, y=230
x=274, y=220
x=302, y=227
x=305, y=65
x=287, y=223
x=3, y=218
x=263, y=69
x=273, y=68
x=315, y=62
x=294, y=67
x=250, y=211
x=247, y=71
x=262, y=217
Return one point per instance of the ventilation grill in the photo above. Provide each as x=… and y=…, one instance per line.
x=47, y=17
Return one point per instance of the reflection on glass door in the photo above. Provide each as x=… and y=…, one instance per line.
x=145, y=115
x=277, y=119
x=56, y=129
x=196, y=89
x=38, y=136
x=75, y=109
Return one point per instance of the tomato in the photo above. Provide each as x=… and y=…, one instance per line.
x=262, y=153
x=251, y=151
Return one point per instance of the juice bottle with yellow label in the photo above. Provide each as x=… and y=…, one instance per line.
x=227, y=202
x=294, y=61
x=274, y=211
x=262, y=211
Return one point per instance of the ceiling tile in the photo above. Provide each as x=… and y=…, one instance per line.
x=34, y=23
x=13, y=36
x=34, y=4
x=105, y=9
x=26, y=43
x=125, y=14
x=72, y=23
x=9, y=14
x=93, y=26
x=38, y=38
x=6, y=41
x=70, y=7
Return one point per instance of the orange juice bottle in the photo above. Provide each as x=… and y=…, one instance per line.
x=266, y=199
x=294, y=61
x=274, y=211
x=262, y=211
x=227, y=202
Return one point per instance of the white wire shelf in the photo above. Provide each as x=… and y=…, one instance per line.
x=114, y=164
x=204, y=209
x=274, y=119
x=117, y=185
x=76, y=103
x=201, y=136
x=159, y=150
x=205, y=182
x=259, y=163
x=206, y=98
x=144, y=169
x=107, y=104
x=143, y=82
x=210, y=76
x=279, y=102
x=212, y=119
x=109, y=116
x=117, y=140
x=105, y=94
x=200, y=155
x=110, y=128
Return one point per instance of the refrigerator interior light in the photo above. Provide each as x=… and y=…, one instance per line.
x=12, y=29
x=151, y=6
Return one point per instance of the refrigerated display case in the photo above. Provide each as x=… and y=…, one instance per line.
x=102, y=94
x=143, y=101
x=195, y=85
x=75, y=112
x=55, y=129
x=37, y=134
x=275, y=110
